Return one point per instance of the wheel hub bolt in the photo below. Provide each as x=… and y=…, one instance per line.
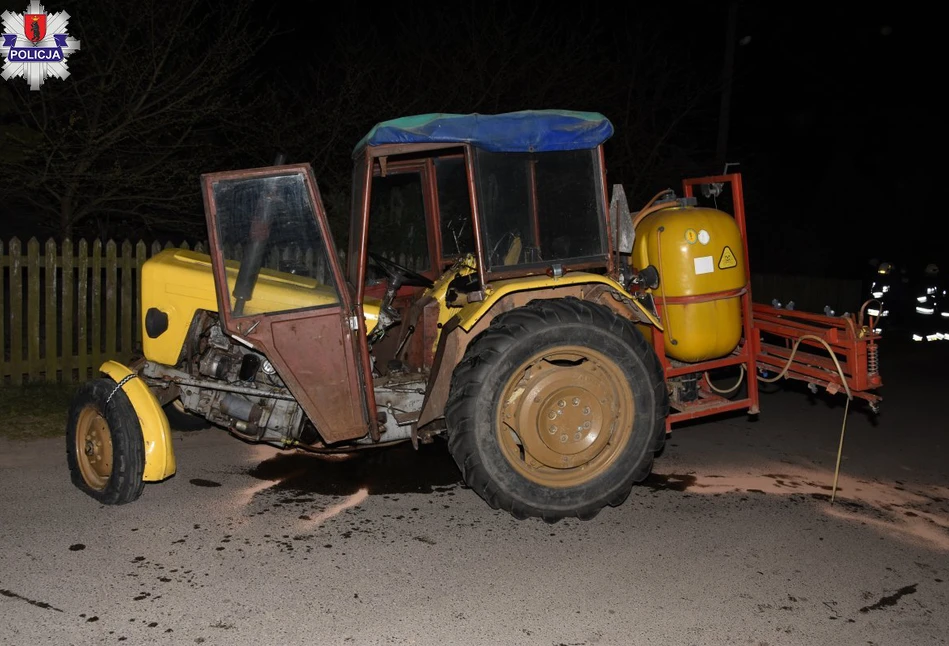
x=576, y=436
x=90, y=448
x=552, y=414
x=586, y=425
x=563, y=438
x=576, y=401
x=586, y=410
x=552, y=430
x=561, y=404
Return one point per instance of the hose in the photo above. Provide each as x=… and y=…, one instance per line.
x=843, y=379
x=657, y=196
x=652, y=207
x=665, y=307
x=872, y=320
x=727, y=391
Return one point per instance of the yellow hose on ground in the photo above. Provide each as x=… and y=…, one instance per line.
x=843, y=380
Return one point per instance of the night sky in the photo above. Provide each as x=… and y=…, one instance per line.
x=830, y=124
x=832, y=121
x=836, y=129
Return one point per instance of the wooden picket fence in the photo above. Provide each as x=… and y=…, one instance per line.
x=65, y=309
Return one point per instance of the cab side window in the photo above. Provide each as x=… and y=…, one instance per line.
x=397, y=223
x=454, y=207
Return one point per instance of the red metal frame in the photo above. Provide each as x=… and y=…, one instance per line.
x=274, y=332
x=854, y=346
x=708, y=402
x=852, y=343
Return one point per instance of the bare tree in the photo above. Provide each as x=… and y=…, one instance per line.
x=163, y=93
x=151, y=93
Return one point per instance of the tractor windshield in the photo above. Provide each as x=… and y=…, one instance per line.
x=540, y=208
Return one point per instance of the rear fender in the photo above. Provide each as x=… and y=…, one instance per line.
x=156, y=432
x=462, y=328
x=579, y=284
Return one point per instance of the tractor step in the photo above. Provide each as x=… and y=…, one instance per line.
x=402, y=419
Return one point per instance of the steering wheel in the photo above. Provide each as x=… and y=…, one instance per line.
x=398, y=274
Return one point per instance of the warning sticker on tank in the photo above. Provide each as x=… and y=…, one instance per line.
x=728, y=260
x=691, y=236
x=704, y=265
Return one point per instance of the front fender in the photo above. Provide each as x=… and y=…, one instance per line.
x=156, y=432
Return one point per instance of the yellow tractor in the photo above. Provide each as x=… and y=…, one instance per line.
x=492, y=292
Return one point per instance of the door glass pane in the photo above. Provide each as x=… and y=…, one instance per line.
x=274, y=253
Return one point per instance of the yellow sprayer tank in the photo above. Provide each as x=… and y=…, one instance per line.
x=701, y=262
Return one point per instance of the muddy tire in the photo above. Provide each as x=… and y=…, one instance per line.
x=104, y=445
x=556, y=410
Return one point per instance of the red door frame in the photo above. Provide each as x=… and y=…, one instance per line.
x=315, y=350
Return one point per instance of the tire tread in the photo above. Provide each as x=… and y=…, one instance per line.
x=494, y=342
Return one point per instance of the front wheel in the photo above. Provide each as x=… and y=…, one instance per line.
x=104, y=445
x=556, y=410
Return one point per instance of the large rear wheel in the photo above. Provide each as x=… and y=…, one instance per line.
x=104, y=445
x=556, y=410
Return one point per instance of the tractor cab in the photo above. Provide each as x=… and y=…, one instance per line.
x=485, y=198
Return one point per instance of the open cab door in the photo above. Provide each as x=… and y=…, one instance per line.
x=280, y=289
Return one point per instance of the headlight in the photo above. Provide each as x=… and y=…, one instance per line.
x=156, y=322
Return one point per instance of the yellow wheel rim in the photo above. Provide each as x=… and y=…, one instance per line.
x=565, y=415
x=94, y=448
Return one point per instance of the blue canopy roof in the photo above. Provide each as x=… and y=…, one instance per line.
x=525, y=131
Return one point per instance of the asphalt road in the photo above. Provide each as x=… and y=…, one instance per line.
x=732, y=541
